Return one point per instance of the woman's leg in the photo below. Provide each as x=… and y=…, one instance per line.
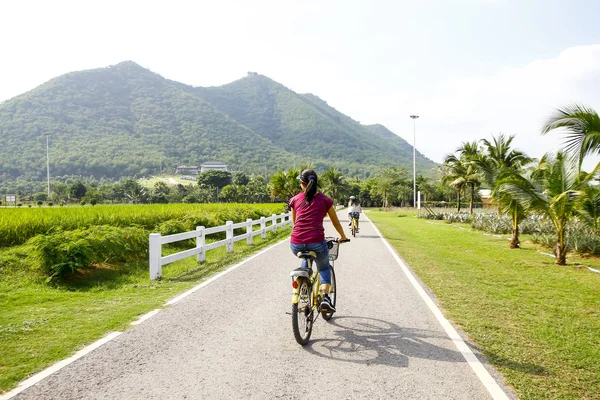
x=322, y=262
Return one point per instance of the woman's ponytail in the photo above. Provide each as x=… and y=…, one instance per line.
x=310, y=179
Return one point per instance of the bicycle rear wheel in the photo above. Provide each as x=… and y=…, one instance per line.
x=332, y=296
x=302, y=315
x=354, y=228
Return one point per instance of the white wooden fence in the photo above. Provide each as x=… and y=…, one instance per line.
x=157, y=240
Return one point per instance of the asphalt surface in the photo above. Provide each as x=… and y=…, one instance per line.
x=232, y=339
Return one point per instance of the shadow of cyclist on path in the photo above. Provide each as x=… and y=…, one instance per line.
x=373, y=341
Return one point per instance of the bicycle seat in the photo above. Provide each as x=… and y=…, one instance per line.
x=300, y=272
x=306, y=254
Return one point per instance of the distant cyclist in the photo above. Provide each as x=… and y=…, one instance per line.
x=354, y=210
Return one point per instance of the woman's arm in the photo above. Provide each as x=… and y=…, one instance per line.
x=293, y=217
x=336, y=223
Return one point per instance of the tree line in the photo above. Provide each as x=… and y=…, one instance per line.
x=554, y=187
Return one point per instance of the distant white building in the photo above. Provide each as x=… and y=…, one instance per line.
x=213, y=166
x=185, y=170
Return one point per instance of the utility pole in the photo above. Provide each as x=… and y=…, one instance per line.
x=414, y=118
x=48, y=161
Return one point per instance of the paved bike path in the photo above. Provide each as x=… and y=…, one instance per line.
x=233, y=339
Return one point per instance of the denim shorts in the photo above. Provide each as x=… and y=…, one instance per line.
x=322, y=260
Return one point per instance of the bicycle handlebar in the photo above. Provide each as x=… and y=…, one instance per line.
x=332, y=239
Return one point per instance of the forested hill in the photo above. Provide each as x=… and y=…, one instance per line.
x=307, y=124
x=121, y=121
x=125, y=120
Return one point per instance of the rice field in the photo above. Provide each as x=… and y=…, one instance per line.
x=17, y=225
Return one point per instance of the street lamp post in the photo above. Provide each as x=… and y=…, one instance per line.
x=47, y=161
x=414, y=118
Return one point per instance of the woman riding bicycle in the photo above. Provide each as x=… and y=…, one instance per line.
x=354, y=210
x=308, y=210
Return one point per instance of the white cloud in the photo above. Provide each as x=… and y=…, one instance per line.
x=516, y=101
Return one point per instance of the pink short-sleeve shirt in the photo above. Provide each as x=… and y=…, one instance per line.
x=308, y=227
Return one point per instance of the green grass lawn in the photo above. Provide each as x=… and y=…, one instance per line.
x=41, y=324
x=170, y=180
x=538, y=323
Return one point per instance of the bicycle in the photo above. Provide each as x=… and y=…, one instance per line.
x=306, y=297
x=354, y=225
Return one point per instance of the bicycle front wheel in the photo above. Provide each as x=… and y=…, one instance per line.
x=302, y=315
x=332, y=296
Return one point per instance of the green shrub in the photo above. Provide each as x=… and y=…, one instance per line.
x=579, y=237
x=64, y=252
x=172, y=227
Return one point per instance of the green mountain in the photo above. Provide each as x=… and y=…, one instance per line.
x=125, y=120
x=121, y=121
x=305, y=124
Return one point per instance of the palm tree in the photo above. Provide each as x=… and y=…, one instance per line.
x=387, y=183
x=508, y=204
x=453, y=174
x=582, y=124
x=425, y=187
x=333, y=182
x=498, y=163
x=590, y=208
x=499, y=158
x=471, y=153
x=555, y=189
x=284, y=184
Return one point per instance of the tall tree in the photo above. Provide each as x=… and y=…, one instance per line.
x=133, y=191
x=333, y=182
x=500, y=158
x=555, y=189
x=77, y=190
x=498, y=162
x=454, y=172
x=239, y=178
x=218, y=179
x=285, y=184
x=470, y=154
x=387, y=183
x=590, y=208
x=582, y=125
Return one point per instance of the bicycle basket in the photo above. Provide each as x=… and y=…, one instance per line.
x=334, y=248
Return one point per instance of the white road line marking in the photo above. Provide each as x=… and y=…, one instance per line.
x=220, y=274
x=146, y=316
x=53, y=368
x=484, y=376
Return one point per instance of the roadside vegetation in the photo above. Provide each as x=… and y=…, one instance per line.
x=535, y=321
x=83, y=272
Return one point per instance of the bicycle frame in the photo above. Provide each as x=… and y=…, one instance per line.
x=354, y=225
x=315, y=283
x=306, y=297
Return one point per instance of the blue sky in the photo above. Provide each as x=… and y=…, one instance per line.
x=469, y=68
